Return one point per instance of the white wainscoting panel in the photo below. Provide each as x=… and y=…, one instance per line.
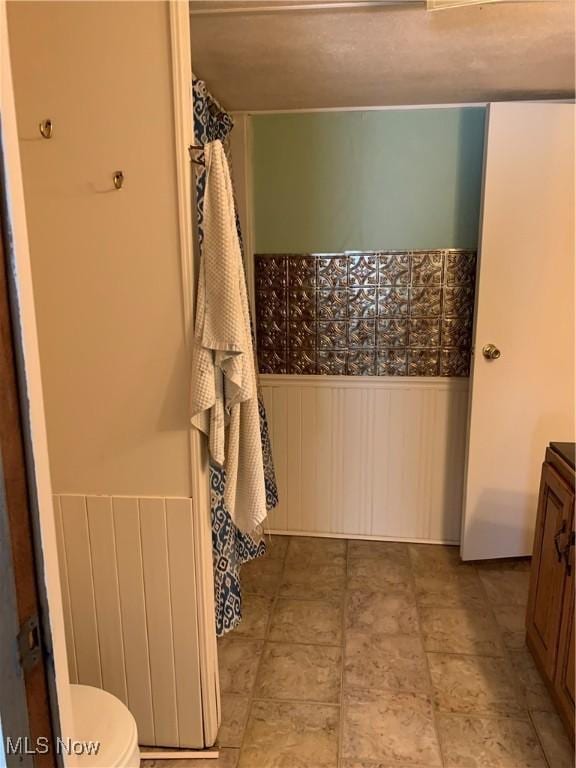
x=129, y=585
x=368, y=457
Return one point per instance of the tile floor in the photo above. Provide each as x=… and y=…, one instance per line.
x=379, y=655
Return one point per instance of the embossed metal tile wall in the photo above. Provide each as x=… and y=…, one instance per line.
x=385, y=313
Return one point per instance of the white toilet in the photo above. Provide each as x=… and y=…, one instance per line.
x=101, y=717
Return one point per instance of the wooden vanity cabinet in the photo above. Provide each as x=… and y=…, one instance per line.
x=550, y=615
x=564, y=677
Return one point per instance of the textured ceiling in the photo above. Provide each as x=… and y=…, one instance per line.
x=388, y=55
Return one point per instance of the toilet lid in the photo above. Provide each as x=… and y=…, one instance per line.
x=101, y=717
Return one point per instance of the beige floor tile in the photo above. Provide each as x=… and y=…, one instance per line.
x=302, y=672
x=392, y=613
x=276, y=546
x=460, y=630
x=428, y=559
x=476, y=742
x=389, y=550
x=506, y=565
x=291, y=735
x=228, y=759
x=553, y=738
x=530, y=684
x=315, y=580
x=378, y=764
x=390, y=725
x=479, y=685
x=256, y=611
x=306, y=621
x=261, y=576
x=306, y=549
x=511, y=620
x=506, y=585
x=395, y=727
x=238, y=663
x=385, y=662
x=379, y=574
x=449, y=588
x=234, y=715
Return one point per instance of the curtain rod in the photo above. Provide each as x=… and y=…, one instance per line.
x=312, y=6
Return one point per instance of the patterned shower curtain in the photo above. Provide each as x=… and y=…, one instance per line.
x=230, y=547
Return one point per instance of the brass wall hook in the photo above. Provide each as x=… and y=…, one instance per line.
x=118, y=179
x=46, y=128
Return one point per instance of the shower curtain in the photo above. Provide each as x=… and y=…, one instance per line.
x=230, y=547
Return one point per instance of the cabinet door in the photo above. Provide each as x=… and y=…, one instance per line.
x=548, y=569
x=564, y=682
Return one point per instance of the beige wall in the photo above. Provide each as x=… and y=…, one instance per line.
x=105, y=263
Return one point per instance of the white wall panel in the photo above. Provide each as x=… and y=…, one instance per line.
x=368, y=456
x=81, y=588
x=133, y=608
x=107, y=595
x=65, y=583
x=184, y=621
x=158, y=601
x=128, y=569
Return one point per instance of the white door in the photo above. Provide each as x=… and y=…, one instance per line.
x=525, y=307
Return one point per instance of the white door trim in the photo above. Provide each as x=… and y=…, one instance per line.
x=184, y=133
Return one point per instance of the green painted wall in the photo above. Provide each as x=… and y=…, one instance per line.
x=393, y=179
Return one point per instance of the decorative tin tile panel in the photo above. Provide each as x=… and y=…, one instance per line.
x=423, y=362
x=392, y=332
x=424, y=332
x=332, y=363
x=460, y=268
x=458, y=301
x=271, y=361
x=361, y=362
x=270, y=273
x=302, y=304
x=302, y=333
x=384, y=313
x=393, y=268
x=332, y=335
x=362, y=270
x=392, y=301
x=273, y=334
x=362, y=333
x=455, y=362
x=332, y=305
x=457, y=332
x=392, y=362
x=301, y=272
x=362, y=302
x=332, y=271
x=271, y=305
x=302, y=361
x=425, y=302
x=427, y=268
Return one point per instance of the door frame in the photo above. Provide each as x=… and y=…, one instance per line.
x=37, y=519
x=199, y=470
x=27, y=690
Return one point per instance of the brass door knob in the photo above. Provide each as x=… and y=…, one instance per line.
x=491, y=352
